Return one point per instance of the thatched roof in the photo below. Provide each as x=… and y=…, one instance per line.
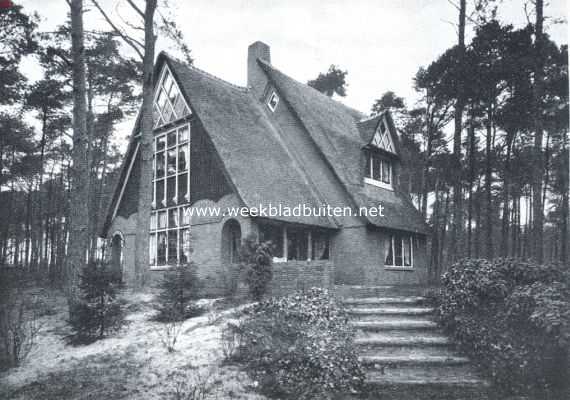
x=257, y=161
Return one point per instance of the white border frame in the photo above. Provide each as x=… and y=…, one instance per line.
x=400, y=267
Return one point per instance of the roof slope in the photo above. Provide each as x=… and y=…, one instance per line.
x=334, y=128
x=254, y=158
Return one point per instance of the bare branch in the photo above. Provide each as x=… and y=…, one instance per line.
x=129, y=40
x=136, y=8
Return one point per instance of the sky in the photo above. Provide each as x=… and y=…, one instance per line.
x=381, y=43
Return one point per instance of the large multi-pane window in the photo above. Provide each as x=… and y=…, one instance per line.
x=399, y=251
x=300, y=244
x=169, y=225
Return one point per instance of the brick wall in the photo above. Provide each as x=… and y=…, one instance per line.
x=299, y=275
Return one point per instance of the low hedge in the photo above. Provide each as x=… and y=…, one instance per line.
x=299, y=347
x=513, y=317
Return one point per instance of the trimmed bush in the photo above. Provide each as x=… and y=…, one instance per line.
x=256, y=259
x=513, y=317
x=98, y=311
x=178, y=289
x=298, y=347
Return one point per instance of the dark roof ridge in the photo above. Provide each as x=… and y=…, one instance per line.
x=205, y=73
x=352, y=110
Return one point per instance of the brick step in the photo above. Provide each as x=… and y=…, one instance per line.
x=456, y=375
x=381, y=290
x=394, y=310
x=409, y=358
x=408, y=351
x=401, y=338
x=369, y=302
x=398, y=324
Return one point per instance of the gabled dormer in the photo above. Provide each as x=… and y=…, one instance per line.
x=380, y=151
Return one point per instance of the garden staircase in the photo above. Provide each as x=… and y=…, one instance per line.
x=399, y=342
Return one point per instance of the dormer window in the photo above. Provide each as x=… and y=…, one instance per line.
x=273, y=101
x=378, y=170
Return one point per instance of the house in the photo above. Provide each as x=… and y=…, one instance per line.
x=277, y=143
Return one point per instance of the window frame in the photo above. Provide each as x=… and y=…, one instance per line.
x=308, y=234
x=270, y=99
x=369, y=174
x=161, y=89
x=157, y=208
x=402, y=237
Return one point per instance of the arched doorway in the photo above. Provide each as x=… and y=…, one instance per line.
x=117, y=255
x=231, y=240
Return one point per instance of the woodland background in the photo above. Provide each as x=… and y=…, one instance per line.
x=486, y=146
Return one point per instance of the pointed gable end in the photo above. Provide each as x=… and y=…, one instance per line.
x=382, y=138
x=169, y=104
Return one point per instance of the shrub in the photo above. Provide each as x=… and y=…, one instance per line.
x=178, y=289
x=256, y=259
x=298, y=347
x=98, y=310
x=19, y=325
x=511, y=316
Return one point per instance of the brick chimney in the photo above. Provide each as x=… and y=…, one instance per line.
x=256, y=78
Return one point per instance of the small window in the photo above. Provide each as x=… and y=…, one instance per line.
x=273, y=101
x=378, y=171
x=398, y=252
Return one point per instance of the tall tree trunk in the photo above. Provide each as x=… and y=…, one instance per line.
x=488, y=178
x=457, y=226
x=146, y=148
x=471, y=182
x=538, y=216
x=506, y=196
x=435, y=261
x=79, y=217
x=478, y=220
x=565, y=200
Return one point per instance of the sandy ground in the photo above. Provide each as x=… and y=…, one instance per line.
x=132, y=364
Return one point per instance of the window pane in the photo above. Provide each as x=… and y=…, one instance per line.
x=162, y=220
x=407, y=251
x=159, y=165
x=297, y=244
x=183, y=134
x=172, y=247
x=184, y=216
x=171, y=139
x=171, y=191
x=161, y=249
x=173, y=217
x=376, y=168
x=171, y=162
x=368, y=162
x=184, y=245
x=183, y=189
x=179, y=107
x=320, y=246
x=155, y=115
x=152, y=249
x=398, y=261
x=273, y=234
x=386, y=171
x=160, y=193
x=153, y=221
x=182, y=158
x=160, y=143
x=161, y=99
x=388, y=251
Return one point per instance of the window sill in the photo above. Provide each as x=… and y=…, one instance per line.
x=161, y=267
x=380, y=184
x=397, y=268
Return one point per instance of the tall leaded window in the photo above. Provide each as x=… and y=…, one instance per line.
x=169, y=226
x=169, y=105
